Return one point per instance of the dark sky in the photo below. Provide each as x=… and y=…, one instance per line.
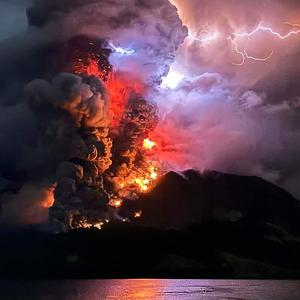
x=12, y=17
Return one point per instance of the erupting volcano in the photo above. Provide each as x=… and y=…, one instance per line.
x=150, y=123
x=119, y=164
x=90, y=98
x=114, y=95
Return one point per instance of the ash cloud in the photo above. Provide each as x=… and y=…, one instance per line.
x=204, y=18
x=55, y=126
x=29, y=206
x=239, y=119
x=151, y=28
x=68, y=117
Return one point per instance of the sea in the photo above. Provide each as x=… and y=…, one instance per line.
x=151, y=289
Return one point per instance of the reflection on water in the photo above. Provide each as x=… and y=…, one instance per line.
x=151, y=289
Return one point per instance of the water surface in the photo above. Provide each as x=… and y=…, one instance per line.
x=151, y=289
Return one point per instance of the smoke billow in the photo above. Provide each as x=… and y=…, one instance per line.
x=229, y=116
x=80, y=91
x=206, y=18
x=29, y=206
x=151, y=28
x=74, y=113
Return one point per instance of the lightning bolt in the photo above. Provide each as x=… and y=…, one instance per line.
x=245, y=55
x=208, y=37
x=270, y=30
x=120, y=50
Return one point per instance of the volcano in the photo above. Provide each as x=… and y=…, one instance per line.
x=180, y=200
x=113, y=113
x=193, y=225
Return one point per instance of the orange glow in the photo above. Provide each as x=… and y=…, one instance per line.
x=117, y=203
x=141, y=180
x=119, y=89
x=48, y=197
x=148, y=144
x=99, y=225
x=90, y=67
x=138, y=214
x=141, y=184
x=96, y=225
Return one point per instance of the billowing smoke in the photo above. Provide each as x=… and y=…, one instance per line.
x=151, y=29
x=74, y=113
x=213, y=25
x=29, y=206
x=100, y=78
x=70, y=116
x=233, y=97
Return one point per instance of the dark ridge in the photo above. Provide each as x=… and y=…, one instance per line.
x=209, y=225
x=180, y=200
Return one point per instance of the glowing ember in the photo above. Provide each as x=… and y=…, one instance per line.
x=141, y=183
x=96, y=225
x=90, y=66
x=132, y=118
x=140, y=180
x=153, y=173
x=148, y=144
x=117, y=203
x=147, y=179
x=119, y=89
x=48, y=197
x=138, y=214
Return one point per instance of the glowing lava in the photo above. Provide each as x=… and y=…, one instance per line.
x=138, y=214
x=119, y=88
x=117, y=203
x=48, y=197
x=133, y=170
x=140, y=180
x=148, y=144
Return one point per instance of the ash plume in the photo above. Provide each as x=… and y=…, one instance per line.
x=91, y=89
x=225, y=18
x=75, y=111
x=151, y=28
x=29, y=206
x=71, y=146
x=240, y=118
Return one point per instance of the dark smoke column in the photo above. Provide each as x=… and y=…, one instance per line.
x=74, y=111
x=152, y=28
x=74, y=124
